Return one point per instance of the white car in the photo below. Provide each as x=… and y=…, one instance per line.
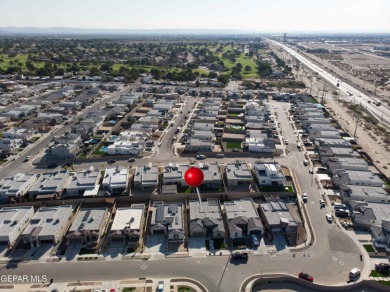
x=304, y=197
x=354, y=273
x=329, y=217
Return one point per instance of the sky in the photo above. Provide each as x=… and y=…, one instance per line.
x=251, y=15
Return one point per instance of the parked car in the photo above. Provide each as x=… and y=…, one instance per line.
x=382, y=267
x=201, y=156
x=305, y=276
x=160, y=286
x=239, y=255
x=131, y=160
x=111, y=161
x=322, y=203
x=329, y=218
x=354, y=273
x=255, y=240
x=28, y=157
x=304, y=197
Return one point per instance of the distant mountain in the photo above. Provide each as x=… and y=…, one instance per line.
x=89, y=31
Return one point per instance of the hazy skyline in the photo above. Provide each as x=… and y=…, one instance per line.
x=251, y=15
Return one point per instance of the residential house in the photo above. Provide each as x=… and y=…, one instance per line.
x=212, y=176
x=116, y=180
x=268, y=174
x=13, y=220
x=84, y=183
x=243, y=219
x=50, y=183
x=127, y=225
x=10, y=145
x=17, y=185
x=278, y=218
x=64, y=151
x=381, y=235
x=363, y=193
x=88, y=227
x=368, y=213
x=358, y=178
x=48, y=225
x=18, y=133
x=238, y=174
x=206, y=220
x=174, y=174
x=146, y=177
x=168, y=219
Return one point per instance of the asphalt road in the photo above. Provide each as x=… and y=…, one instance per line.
x=380, y=112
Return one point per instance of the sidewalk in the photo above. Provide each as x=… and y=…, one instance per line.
x=138, y=285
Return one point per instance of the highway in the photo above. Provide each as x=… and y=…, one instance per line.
x=380, y=112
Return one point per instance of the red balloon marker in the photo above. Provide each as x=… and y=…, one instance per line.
x=194, y=177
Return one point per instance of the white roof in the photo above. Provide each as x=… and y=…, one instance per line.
x=128, y=217
x=12, y=218
x=115, y=176
x=49, y=219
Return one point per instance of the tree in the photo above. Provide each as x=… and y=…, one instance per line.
x=335, y=94
x=264, y=69
x=60, y=72
x=30, y=66
x=248, y=68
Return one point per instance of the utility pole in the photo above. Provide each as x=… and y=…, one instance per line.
x=323, y=93
x=357, y=123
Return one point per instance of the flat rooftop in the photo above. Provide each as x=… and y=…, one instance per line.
x=211, y=209
x=88, y=219
x=243, y=207
x=128, y=217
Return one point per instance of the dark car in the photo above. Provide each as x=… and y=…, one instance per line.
x=305, y=276
x=382, y=267
x=131, y=160
x=111, y=161
x=239, y=255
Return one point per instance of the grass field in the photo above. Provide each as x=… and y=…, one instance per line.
x=231, y=145
x=245, y=61
x=378, y=274
x=368, y=248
